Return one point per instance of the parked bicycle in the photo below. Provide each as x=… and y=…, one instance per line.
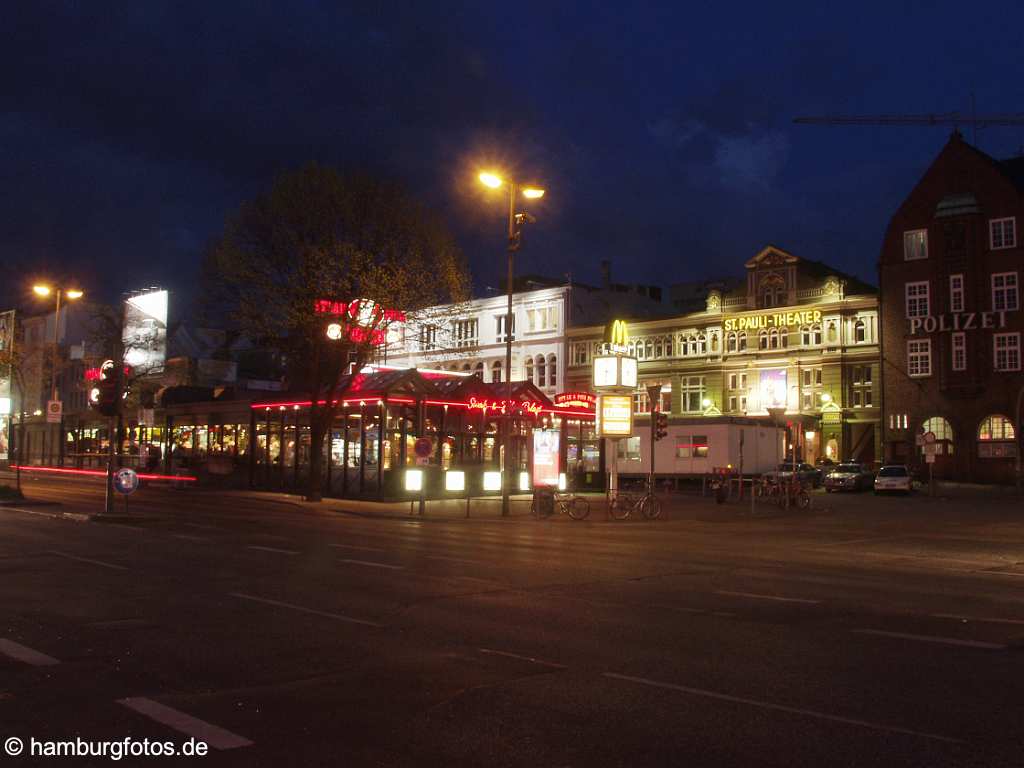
x=784, y=492
x=621, y=504
x=571, y=504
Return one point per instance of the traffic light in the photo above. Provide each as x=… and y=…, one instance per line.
x=660, y=425
x=105, y=395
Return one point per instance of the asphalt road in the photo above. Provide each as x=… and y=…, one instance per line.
x=868, y=632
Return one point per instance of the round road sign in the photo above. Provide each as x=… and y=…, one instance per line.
x=423, y=447
x=126, y=481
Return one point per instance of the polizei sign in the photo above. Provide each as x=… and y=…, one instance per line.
x=961, y=321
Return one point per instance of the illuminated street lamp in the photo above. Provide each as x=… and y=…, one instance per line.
x=515, y=222
x=71, y=294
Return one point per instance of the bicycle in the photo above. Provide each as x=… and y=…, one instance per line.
x=576, y=507
x=784, y=492
x=621, y=505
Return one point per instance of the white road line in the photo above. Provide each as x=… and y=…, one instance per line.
x=783, y=708
x=353, y=546
x=88, y=560
x=274, y=549
x=933, y=639
x=278, y=603
x=861, y=541
x=767, y=597
x=982, y=619
x=530, y=659
x=26, y=654
x=372, y=565
x=214, y=735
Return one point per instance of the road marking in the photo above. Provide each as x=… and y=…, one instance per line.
x=454, y=559
x=373, y=565
x=303, y=609
x=861, y=541
x=353, y=546
x=88, y=560
x=26, y=654
x=189, y=537
x=983, y=619
x=695, y=611
x=530, y=659
x=783, y=708
x=933, y=639
x=214, y=735
x=767, y=597
x=274, y=549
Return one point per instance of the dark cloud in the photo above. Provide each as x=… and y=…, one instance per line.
x=663, y=132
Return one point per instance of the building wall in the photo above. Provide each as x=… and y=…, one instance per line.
x=954, y=203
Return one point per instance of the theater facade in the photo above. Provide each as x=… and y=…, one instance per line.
x=797, y=343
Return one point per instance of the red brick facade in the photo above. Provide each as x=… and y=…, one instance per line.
x=951, y=268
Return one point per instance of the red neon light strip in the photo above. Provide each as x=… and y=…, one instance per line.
x=307, y=403
x=102, y=473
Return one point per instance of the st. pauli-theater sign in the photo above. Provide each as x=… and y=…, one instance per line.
x=773, y=320
x=961, y=321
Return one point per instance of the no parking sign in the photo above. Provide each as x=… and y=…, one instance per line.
x=126, y=481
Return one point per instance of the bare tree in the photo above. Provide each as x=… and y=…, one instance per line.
x=317, y=235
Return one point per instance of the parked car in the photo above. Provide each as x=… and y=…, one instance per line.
x=805, y=472
x=893, y=477
x=849, y=477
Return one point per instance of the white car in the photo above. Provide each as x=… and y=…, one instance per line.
x=893, y=477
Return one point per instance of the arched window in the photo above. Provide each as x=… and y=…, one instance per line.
x=540, y=371
x=996, y=427
x=714, y=342
x=496, y=371
x=702, y=344
x=466, y=368
x=741, y=341
x=810, y=335
x=860, y=331
x=478, y=369
x=552, y=369
x=762, y=340
x=529, y=369
x=943, y=433
x=773, y=338
x=730, y=342
x=649, y=350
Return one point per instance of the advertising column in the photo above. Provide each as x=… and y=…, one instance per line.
x=615, y=376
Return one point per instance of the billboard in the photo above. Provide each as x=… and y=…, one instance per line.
x=772, y=388
x=6, y=346
x=615, y=415
x=546, y=457
x=145, y=332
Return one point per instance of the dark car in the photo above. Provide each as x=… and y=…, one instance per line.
x=807, y=474
x=849, y=477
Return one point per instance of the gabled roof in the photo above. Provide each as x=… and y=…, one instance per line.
x=771, y=255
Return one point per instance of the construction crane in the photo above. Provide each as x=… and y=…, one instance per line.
x=949, y=118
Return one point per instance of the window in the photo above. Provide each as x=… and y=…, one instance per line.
x=1002, y=233
x=528, y=369
x=496, y=372
x=956, y=293
x=860, y=331
x=629, y=449
x=691, y=446
x=917, y=299
x=499, y=325
x=943, y=433
x=730, y=342
x=812, y=377
x=777, y=338
x=428, y=337
x=733, y=402
x=996, y=427
x=743, y=381
x=915, y=244
x=1004, y=292
x=466, y=332
x=692, y=392
x=541, y=371
x=1007, y=351
x=862, y=394
x=898, y=421
x=733, y=379
x=959, y=357
x=540, y=319
x=810, y=336
x=919, y=357
x=552, y=367
x=641, y=403
x=581, y=353
x=478, y=369
x=762, y=340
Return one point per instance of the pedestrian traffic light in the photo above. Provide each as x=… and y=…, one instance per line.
x=660, y=425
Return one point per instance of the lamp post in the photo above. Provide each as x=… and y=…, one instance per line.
x=515, y=221
x=71, y=294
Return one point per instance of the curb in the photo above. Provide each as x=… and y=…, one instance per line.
x=78, y=517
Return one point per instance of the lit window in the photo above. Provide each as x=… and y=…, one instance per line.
x=496, y=372
x=996, y=427
x=959, y=351
x=541, y=371
x=919, y=357
x=692, y=392
x=1002, y=233
x=552, y=367
x=1004, y=292
x=956, y=293
x=860, y=331
x=917, y=299
x=915, y=244
x=1007, y=351
x=943, y=432
x=499, y=325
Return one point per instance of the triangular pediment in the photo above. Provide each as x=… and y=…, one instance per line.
x=770, y=256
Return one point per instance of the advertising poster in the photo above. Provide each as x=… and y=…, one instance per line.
x=773, y=388
x=145, y=332
x=545, y=457
x=6, y=345
x=615, y=415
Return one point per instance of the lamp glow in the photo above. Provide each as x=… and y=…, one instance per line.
x=706, y=402
x=826, y=397
x=562, y=484
x=41, y=290
x=454, y=480
x=73, y=294
x=524, y=481
x=533, y=193
x=492, y=481
x=414, y=480
x=491, y=180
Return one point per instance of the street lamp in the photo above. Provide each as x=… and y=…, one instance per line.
x=515, y=222
x=71, y=294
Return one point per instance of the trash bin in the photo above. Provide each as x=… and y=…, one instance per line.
x=543, y=502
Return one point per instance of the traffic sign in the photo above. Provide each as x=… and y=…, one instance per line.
x=54, y=411
x=126, y=481
x=423, y=447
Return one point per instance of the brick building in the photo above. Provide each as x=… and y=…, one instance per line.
x=950, y=272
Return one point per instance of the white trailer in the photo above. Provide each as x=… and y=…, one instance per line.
x=697, y=446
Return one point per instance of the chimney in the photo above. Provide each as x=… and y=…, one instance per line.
x=606, y=274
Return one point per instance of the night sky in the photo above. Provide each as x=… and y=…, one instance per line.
x=662, y=132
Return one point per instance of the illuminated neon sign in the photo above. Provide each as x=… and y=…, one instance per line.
x=773, y=320
x=530, y=406
x=575, y=400
x=364, y=312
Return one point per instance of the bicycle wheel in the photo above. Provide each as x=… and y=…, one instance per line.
x=619, y=508
x=803, y=500
x=650, y=507
x=578, y=508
